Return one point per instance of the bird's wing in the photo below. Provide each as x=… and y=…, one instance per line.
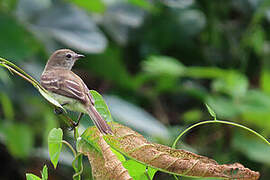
x=65, y=83
x=68, y=84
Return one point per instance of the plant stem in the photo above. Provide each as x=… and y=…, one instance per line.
x=175, y=177
x=222, y=122
x=70, y=147
x=78, y=170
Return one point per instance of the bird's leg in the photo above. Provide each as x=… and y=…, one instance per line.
x=146, y=173
x=79, y=119
x=58, y=110
x=75, y=124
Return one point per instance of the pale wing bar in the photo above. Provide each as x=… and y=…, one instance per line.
x=63, y=87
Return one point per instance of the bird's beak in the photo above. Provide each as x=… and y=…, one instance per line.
x=79, y=56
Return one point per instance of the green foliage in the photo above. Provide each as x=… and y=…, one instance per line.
x=55, y=145
x=19, y=140
x=211, y=112
x=163, y=66
x=136, y=170
x=11, y=31
x=32, y=177
x=110, y=66
x=77, y=167
x=254, y=149
x=119, y=155
x=167, y=58
x=265, y=78
x=44, y=175
x=234, y=84
x=223, y=107
x=91, y=6
x=143, y=4
x=192, y=115
x=8, y=5
x=139, y=171
x=101, y=106
x=7, y=107
x=205, y=72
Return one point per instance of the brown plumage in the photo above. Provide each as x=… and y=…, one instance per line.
x=68, y=88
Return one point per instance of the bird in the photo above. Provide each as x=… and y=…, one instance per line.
x=69, y=89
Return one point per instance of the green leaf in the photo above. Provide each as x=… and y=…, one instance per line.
x=192, y=21
x=255, y=109
x=30, y=176
x=192, y=115
x=19, y=139
x=16, y=42
x=256, y=39
x=233, y=83
x=163, y=65
x=50, y=122
x=137, y=118
x=7, y=106
x=204, y=72
x=44, y=173
x=85, y=37
x=211, y=111
x=91, y=6
x=224, y=107
x=8, y=5
x=87, y=140
x=119, y=155
x=143, y=4
x=49, y=98
x=85, y=143
x=139, y=171
x=89, y=143
x=264, y=81
x=101, y=106
x=55, y=145
x=112, y=61
x=4, y=77
x=253, y=148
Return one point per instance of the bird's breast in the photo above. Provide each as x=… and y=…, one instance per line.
x=70, y=103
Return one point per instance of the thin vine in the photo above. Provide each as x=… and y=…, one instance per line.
x=221, y=122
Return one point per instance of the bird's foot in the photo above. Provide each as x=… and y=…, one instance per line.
x=58, y=111
x=73, y=126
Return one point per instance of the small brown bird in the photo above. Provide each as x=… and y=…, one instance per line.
x=69, y=89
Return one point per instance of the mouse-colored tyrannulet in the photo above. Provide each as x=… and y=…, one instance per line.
x=68, y=88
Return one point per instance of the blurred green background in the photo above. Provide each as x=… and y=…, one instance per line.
x=155, y=62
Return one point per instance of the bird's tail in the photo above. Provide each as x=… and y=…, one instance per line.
x=100, y=123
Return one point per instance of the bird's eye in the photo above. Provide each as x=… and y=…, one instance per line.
x=68, y=55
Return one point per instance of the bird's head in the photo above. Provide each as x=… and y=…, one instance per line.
x=63, y=58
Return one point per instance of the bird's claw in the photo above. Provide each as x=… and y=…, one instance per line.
x=58, y=111
x=73, y=126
